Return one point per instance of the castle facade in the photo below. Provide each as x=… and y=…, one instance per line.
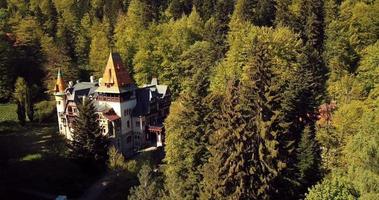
x=131, y=116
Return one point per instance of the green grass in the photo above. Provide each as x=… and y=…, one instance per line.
x=8, y=112
x=31, y=157
x=33, y=161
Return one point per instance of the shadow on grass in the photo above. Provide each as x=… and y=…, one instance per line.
x=122, y=181
x=33, y=158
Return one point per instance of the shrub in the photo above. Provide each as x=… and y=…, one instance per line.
x=45, y=111
x=116, y=160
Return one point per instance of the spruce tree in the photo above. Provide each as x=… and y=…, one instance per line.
x=264, y=14
x=186, y=126
x=265, y=118
x=308, y=164
x=312, y=18
x=283, y=15
x=312, y=31
x=226, y=174
x=88, y=145
x=148, y=187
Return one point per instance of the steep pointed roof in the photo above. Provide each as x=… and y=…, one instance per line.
x=59, y=85
x=115, y=74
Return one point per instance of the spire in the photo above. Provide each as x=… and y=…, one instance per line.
x=59, y=85
x=115, y=74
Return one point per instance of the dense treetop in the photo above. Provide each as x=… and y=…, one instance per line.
x=272, y=99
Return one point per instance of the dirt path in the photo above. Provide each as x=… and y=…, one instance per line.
x=98, y=187
x=94, y=192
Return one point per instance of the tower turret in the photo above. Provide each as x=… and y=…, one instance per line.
x=60, y=100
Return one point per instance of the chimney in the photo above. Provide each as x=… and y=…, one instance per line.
x=70, y=84
x=92, y=79
x=154, y=81
x=100, y=81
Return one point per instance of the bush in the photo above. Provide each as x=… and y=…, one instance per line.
x=116, y=160
x=45, y=111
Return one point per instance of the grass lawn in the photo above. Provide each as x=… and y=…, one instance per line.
x=8, y=112
x=33, y=164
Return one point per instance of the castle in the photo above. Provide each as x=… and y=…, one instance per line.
x=131, y=116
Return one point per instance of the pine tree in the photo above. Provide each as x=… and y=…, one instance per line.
x=88, y=145
x=312, y=16
x=266, y=117
x=178, y=8
x=264, y=14
x=19, y=96
x=308, y=164
x=186, y=126
x=148, y=187
x=283, y=15
x=243, y=11
x=226, y=174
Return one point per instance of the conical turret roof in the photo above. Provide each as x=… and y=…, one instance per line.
x=59, y=85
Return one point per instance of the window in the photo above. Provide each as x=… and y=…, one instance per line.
x=125, y=112
x=129, y=139
x=128, y=124
x=137, y=123
x=59, y=102
x=118, y=143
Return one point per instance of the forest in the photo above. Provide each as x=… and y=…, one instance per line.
x=272, y=99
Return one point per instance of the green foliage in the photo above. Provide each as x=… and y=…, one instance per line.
x=45, y=111
x=88, y=145
x=283, y=15
x=161, y=47
x=116, y=161
x=353, y=29
x=361, y=155
x=309, y=159
x=99, y=52
x=147, y=188
x=256, y=133
x=334, y=189
x=56, y=58
x=128, y=29
x=20, y=96
x=265, y=83
x=5, y=68
x=31, y=157
x=186, y=125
